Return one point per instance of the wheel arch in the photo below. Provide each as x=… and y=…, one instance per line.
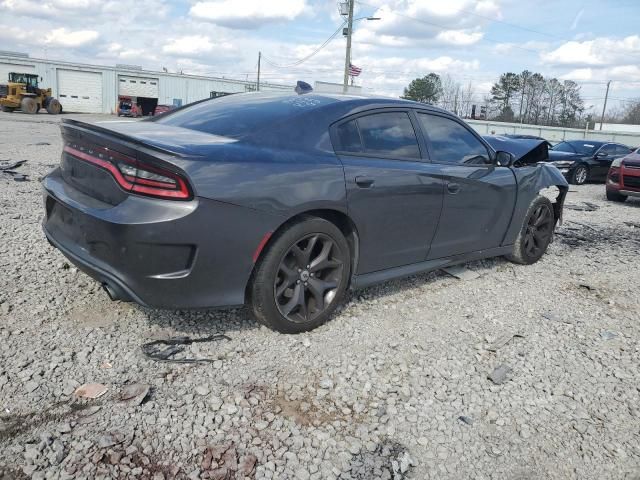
x=339, y=218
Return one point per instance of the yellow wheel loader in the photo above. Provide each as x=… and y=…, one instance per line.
x=22, y=92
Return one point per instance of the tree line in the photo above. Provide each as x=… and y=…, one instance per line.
x=525, y=97
x=443, y=92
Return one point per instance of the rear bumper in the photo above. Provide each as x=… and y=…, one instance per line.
x=163, y=254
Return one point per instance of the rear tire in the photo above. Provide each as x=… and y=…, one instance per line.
x=29, y=105
x=536, y=232
x=580, y=175
x=615, y=196
x=54, y=107
x=302, y=276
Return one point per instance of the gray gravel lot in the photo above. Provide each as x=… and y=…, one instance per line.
x=396, y=386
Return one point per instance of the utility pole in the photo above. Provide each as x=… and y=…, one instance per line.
x=347, y=60
x=258, y=82
x=604, y=108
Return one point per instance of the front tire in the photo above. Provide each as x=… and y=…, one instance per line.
x=54, y=107
x=29, y=105
x=536, y=232
x=302, y=277
x=580, y=175
x=616, y=197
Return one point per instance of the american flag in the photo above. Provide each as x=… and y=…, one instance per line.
x=354, y=71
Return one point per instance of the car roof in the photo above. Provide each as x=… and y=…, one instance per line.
x=244, y=115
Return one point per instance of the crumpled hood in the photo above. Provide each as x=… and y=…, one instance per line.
x=525, y=151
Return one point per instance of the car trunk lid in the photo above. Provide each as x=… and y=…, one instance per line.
x=102, y=160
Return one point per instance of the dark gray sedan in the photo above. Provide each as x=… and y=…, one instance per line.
x=283, y=202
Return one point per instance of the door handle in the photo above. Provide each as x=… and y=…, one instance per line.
x=365, y=182
x=453, y=188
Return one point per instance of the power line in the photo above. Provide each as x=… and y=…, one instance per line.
x=312, y=54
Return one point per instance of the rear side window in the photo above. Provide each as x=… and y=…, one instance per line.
x=451, y=142
x=609, y=149
x=389, y=134
x=622, y=150
x=349, y=137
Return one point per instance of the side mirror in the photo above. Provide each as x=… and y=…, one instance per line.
x=504, y=159
x=602, y=154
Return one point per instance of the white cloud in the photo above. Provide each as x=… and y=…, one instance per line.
x=61, y=37
x=459, y=37
x=248, y=13
x=194, y=45
x=576, y=20
x=599, y=52
x=451, y=22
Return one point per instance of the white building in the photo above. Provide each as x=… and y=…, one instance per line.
x=97, y=88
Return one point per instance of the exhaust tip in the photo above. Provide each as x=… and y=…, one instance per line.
x=111, y=292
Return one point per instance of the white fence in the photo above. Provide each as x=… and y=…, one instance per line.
x=553, y=134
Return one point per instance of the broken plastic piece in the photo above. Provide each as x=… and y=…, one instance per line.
x=91, y=390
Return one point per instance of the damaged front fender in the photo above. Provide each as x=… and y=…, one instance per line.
x=533, y=176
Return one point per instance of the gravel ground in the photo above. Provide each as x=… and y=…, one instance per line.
x=396, y=386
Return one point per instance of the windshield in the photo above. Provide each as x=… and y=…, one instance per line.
x=583, y=148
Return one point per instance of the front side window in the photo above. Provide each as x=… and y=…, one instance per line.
x=388, y=134
x=452, y=143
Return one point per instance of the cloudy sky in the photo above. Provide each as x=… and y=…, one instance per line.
x=590, y=41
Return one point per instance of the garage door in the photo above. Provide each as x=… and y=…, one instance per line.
x=137, y=86
x=6, y=68
x=80, y=91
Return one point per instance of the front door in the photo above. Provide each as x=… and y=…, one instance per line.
x=478, y=196
x=394, y=196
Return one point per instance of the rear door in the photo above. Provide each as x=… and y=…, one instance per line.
x=478, y=196
x=393, y=195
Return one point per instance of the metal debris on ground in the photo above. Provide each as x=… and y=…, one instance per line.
x=465, y=419
x=90, y=390
x=461, y=272
x=582, y=207
x=164, y=350
x=502, y=340
x=9, y=169
x=499, y=374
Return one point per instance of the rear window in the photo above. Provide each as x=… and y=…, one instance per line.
x=238, y=115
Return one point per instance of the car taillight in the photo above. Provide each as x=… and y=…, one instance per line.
x=133, y=175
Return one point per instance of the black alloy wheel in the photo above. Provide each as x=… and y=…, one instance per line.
x=308, y=278
x=301, y=277
x=538, y=231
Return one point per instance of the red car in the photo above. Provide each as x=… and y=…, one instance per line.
x=623, y=179
x=163, y=109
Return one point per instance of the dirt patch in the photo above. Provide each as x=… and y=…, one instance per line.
x=585, y=236
x=14, y=425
